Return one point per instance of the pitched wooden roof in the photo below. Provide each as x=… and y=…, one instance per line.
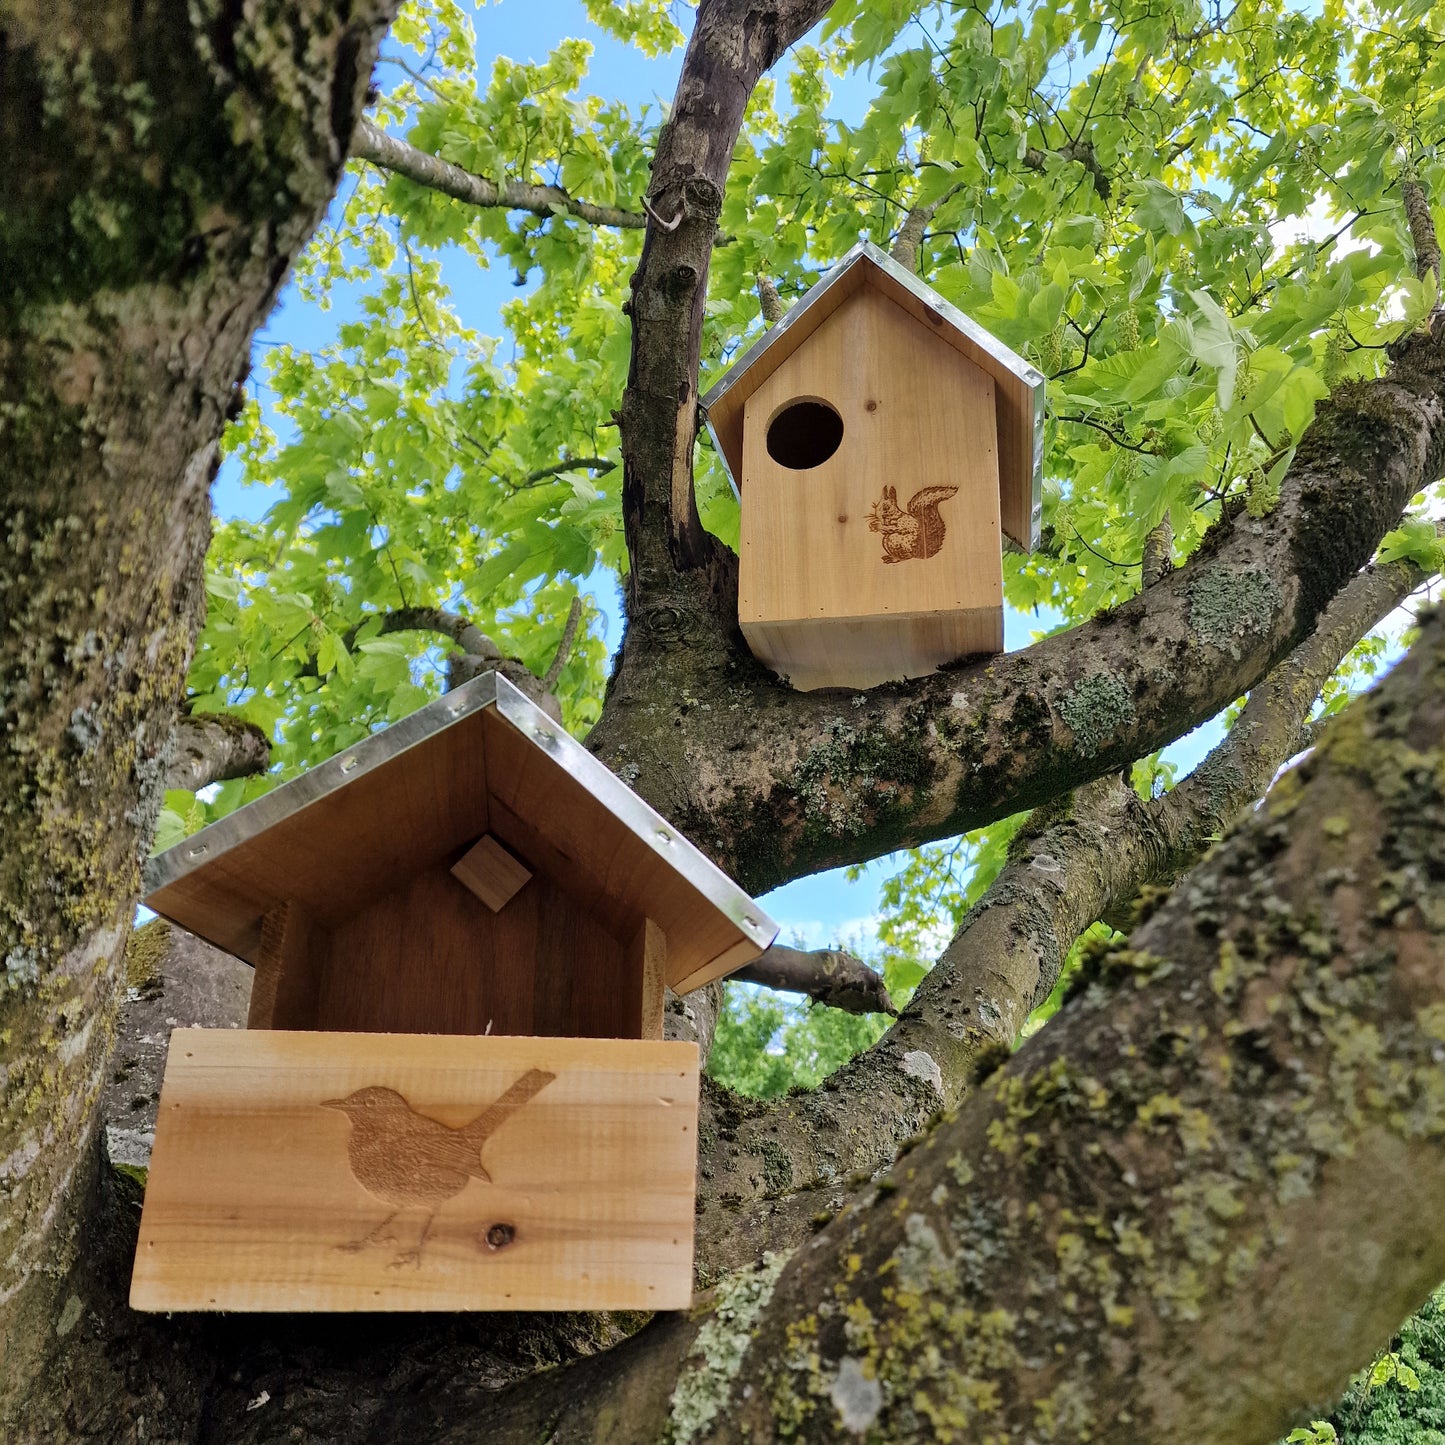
x=1018, y=387
x=482, y=759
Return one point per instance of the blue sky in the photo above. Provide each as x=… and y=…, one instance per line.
x=821, y=909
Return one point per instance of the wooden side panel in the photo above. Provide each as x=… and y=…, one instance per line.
x=727, y=415
x=471, y=1173
x=647, y=958
x=1015, y=412
x=491, y=872
x=289, y=965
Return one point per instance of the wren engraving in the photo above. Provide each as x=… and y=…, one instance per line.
x=411, y=1161
x=915, y=533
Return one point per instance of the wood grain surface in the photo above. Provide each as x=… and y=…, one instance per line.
x=828, y=594
x=1014, y=400
x=313, y=1171
x=383, y=846
x=491, y=872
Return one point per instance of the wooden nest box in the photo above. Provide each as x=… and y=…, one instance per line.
x=453, y=1092
x=882, y=446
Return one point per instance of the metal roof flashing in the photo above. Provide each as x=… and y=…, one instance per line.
x=1005, y=364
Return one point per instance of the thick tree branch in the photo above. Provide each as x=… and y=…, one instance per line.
x=771, y=303
x=1158, y=552
x=827, y=975
x=1200, y=1142
x=732, y=44
x=1081, y=151
x=915, y=223
x=1083, y=858
x=1422, y=228
x=403, y=159
x=804, y=781
x=212, y=747
x=177, y=158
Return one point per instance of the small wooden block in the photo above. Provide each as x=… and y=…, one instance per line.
x=491, y=872
x=331, y=1171
x=648, y=955
x=288, y=971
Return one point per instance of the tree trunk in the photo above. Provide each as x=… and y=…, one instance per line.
x=176, y=158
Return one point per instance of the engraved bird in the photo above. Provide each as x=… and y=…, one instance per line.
x=917, y=532
x=409, y=1160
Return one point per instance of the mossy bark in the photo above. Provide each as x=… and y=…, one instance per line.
x=775, y=784
x=177, y=156
x=1161, y=1196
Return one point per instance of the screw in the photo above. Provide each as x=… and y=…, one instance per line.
x=499, y=1236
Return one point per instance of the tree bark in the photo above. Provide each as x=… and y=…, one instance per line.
x=775, y=784
x=177, y=158
x=1085, y=857
x=1168, y=1191
x=732, y=44
x=212, y=747
x=392, y=154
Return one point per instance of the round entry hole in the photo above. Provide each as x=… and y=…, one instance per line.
x=804, y=434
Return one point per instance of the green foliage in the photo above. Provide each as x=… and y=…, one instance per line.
x=1399, y=1399
x=1150, y=202
x=767, y=1043
x=1189, y=217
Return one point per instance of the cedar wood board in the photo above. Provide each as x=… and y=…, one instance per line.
x=1014, y=399
x=254, y=1203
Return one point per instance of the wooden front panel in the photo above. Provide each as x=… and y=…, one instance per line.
x=863, y=652
x=919, y=454
x=464, y=1173
x=431, y=957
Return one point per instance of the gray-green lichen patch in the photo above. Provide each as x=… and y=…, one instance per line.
x=1226, y=606
x=1095, y=708
x=856, y=1396
x=703, y=1387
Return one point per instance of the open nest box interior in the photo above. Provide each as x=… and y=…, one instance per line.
x=470, y=870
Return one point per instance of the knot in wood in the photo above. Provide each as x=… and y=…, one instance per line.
x=663, y=623
x=701, y=199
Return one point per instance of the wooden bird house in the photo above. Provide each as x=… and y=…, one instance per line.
x=882, y=446
x=453, y=1092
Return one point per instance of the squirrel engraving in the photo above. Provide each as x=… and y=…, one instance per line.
x=917, y=532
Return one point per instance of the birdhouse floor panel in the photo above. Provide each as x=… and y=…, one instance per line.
x=864, y=652
x=312, y=1171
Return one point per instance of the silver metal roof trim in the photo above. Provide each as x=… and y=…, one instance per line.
x=1008, y=359
x=318, y=782
x=488, y=690
x=722, y=459
x=644, y=821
